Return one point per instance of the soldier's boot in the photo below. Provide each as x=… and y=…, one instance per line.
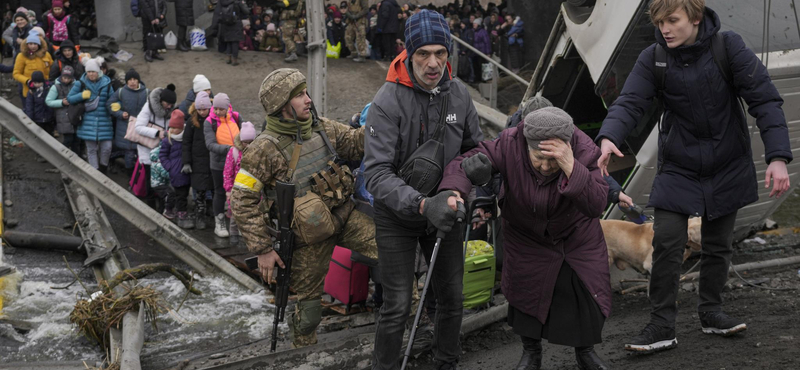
x=358, y=59
x=305, y=319
x=200, y=212
x=220, y=229
x=291, y=58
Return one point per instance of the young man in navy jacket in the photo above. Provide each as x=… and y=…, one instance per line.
x=705, y=161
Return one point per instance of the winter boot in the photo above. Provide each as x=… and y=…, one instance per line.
x=219, y=228
x=229, y=61
x=588, y=359
x=291, y=58
x=233, y=240
x=169, y=213
x=184, y=221
x=148, y=56
x=156, y=55
x=358, y=59
x=103, y=169
x=235, y=61
x=200, y=213
x=182, y=46
x=531, y=354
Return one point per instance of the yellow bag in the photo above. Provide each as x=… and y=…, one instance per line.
x=313, y=221
x=333, y=52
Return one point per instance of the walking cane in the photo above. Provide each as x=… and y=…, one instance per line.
x=460, y=216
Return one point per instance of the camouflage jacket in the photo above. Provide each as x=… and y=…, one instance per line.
x=263, y=164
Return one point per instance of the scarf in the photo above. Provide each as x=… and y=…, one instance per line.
x=178, y=137
x=289, y=128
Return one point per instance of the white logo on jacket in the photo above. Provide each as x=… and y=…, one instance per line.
x=451, y=118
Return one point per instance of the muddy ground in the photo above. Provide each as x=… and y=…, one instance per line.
x=39, y=204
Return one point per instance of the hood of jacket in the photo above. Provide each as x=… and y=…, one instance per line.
x=707, y=28
x=399, y=72
x=71, y=61
x=155, y=103
x=23, y=49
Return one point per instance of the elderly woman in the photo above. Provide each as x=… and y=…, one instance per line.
x=555, y=273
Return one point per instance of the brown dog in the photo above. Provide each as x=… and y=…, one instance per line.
x=631, y=245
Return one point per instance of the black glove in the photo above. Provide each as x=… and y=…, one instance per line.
x=478, y=169
x=438, y=212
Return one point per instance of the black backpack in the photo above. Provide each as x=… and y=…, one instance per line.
x=229, y=15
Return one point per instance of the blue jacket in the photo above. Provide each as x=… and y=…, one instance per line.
x=126, y=100
x=96, y=125
x=35, y=106
x=704, y=153
x=170, y=158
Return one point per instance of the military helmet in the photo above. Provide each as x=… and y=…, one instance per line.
x=276, y=88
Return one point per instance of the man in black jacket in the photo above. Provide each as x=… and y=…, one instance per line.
x=388, y=24
x=418, y=96
x=705, y=162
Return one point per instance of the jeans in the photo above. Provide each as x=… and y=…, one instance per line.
x=669, y=242
x=99, y=152
x=397, y=246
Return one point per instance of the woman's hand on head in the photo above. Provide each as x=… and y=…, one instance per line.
x=561, y=151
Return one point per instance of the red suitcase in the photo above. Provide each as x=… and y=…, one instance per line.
x=347, y=281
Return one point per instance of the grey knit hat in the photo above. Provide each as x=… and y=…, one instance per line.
x=534, y=103
x=547, y=123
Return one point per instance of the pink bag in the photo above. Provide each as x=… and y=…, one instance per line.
x=347, y=281
x=131, y=135
x=139, y=180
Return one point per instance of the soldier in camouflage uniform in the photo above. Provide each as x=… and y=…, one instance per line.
x=356, y=31
x=269, y=159
x=289, y=17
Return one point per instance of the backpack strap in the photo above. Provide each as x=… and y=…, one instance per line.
x=720, y=54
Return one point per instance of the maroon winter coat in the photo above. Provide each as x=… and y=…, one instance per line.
x=545, y=223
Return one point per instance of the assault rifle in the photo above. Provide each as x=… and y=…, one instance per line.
x=285, y=247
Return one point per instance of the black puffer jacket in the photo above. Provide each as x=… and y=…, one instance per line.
x=387, y=17
x=184, y=13
x=195, y=152
x=61, y=61
x=152, y=9
x=230, y=32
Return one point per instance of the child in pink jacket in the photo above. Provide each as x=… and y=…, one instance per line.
x=232, y=163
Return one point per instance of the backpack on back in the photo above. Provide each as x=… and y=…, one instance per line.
x=229, y=15
x=57, y=30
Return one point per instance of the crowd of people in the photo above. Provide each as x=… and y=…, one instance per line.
x=555, y=182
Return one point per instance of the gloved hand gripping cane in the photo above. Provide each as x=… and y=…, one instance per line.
x=461, y=215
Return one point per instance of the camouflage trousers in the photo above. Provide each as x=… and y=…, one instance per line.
x=287, y=33
x=309, y=267
x=356, y=33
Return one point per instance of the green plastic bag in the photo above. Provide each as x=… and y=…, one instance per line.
x=333, y=52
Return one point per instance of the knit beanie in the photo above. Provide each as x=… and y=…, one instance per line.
x=248, y=132
x=23, y=15
x=271, y=27
x=177, y=119
x=477, y=21
x=132, y=74
x=202, y=101
x=31, y=14
x=37, y=76
x=33, y=38
x=426, y=28
x=200, y=83
x=168, y=94
x=221, y=101
x=547, y=123
x=58, y=4
x=535, y=103
x=245, y=22
x=68, y=71
x=92, y=66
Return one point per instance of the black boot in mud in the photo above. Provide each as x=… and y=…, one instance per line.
x=531, y=354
